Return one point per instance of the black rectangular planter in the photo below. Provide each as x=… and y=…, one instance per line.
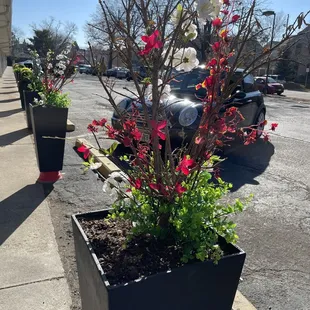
x=201, y=285
x=49, y=122
x=29, y=97
x=22, y=86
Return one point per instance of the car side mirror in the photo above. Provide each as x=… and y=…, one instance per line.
x=239, y=95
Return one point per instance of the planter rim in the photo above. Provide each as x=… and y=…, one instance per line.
x=46, y=106
x=103, y=275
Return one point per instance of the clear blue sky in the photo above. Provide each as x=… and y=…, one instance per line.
x=26, y=12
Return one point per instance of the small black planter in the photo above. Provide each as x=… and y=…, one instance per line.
x=201, y=285
x=22, y=86
x=29, y=97
x=49, y=122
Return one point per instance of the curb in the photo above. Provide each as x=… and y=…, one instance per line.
x=70, y=126
x=107, y=167
x=241, y=303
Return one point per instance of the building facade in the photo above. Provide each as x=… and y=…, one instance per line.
x=5, y=32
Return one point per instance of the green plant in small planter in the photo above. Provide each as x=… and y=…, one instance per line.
x=49, y=113
x=17, y=69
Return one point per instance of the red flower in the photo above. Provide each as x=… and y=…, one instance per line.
x=219, y=143
x=85, y=150
x=235, y=18
x=199, y=140
x=180, y=189
x=102, y=122
x=156, y=129
x=226, y=2
x=208, y=82
x=224, y=33
x=185, y=165
x=217, y=22
x=216, y=47
x=274, y=126
x=127, y=141
x=251, y=138
x=92, y=128
x=212, y=62
x=266, y=137
x=223, y=62
x=231, y=111
x=154, y=186
x=95, y=123
x=112, y=132
x=225, y=12
x=216, y=173
x=220, y=126
x=151, y=42
x=128, y=125
x=136, y=134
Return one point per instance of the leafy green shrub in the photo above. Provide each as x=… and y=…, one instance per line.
x=194, y=221
x=55, y=99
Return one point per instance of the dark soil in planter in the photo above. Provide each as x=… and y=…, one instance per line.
x=123, y=262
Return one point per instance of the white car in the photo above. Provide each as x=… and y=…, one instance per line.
x=278, y=78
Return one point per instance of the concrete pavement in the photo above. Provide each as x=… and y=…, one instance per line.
x=31, y=276
x=298, y=96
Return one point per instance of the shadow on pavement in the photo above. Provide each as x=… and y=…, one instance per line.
x=14, y=136
x=10, y=112
x=15, y=209
x=9, y=92
x=6, y=87
x=9, y=100
x=245, y=162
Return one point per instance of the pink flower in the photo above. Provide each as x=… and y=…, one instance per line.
x=180, y=189
x=235, y=18
x=185, y=165
x=136, y=134
x=154, y=186
x=127, y=141
x=157, y=129
x=217, y=22
x=151, y=43
x=92, y=128
x=102, y=122
x=274, y=126
x=85, y=150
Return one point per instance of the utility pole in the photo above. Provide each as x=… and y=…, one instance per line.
x=269, y=13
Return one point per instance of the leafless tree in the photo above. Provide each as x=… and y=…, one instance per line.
x=62, y=33
x=103, y=36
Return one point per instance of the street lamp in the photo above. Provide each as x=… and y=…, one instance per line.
x=269, y=13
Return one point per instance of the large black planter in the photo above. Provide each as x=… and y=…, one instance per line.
x=29, y=97
x=22, y=86
x=49, y=122
x=201, y=285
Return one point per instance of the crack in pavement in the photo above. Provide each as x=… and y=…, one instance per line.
x=32, y=282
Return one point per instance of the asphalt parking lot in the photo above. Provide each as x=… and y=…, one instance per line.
x=275, y=229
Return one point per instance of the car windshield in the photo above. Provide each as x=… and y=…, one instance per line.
x=271, y=80
x=185, y=83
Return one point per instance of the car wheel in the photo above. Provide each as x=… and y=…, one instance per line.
x=259, y=122
x=279, y=93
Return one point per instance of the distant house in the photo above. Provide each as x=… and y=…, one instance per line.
x=300, y=53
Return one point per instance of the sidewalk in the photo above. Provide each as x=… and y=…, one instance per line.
x=32, y=276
